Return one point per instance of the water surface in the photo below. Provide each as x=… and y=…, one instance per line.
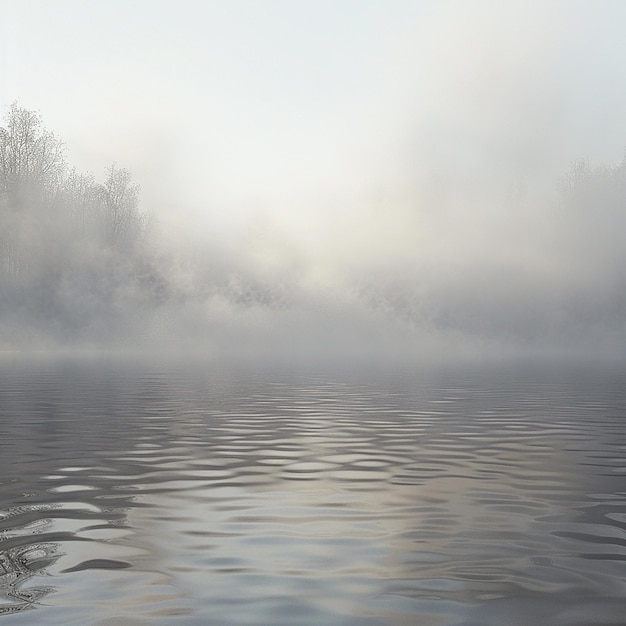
x=169, y=494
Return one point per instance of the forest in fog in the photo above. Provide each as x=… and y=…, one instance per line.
x=75, y=255
x=84, y=264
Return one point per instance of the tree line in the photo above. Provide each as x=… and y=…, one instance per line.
x=80, y=261
x=75, y=257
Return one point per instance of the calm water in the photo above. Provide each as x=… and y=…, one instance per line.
x=134, y=494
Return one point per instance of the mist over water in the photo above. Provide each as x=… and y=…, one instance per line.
x=312, y=312
x=428, y=177
x=468, y=266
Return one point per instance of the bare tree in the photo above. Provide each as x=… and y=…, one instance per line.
x=32, y=166
x=74, y=253
x=122, y=221
x=32, y=160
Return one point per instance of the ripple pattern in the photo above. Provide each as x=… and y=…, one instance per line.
x=161, y=494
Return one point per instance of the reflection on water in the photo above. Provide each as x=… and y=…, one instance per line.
x=258, y=495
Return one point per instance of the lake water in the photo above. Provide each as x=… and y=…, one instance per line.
x=310, y=495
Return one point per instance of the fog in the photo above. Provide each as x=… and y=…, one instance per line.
x=314, y=178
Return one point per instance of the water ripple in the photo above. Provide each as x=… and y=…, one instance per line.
x=179, y=495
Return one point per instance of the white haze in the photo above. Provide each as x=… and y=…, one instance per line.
x=358, y=176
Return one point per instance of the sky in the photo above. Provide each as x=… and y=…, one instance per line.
x=400, y=141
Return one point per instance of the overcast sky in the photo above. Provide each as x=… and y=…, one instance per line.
x=247, y=101
x=362, y=130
